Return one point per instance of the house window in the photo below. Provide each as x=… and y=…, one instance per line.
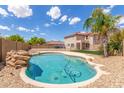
x=68, y=44
x=87, y=45
x=86, y=37
x=96, y=40
x=72, y=45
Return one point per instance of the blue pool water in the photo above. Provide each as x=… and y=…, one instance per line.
x=57, y=68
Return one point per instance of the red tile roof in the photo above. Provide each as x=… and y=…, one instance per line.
x=79, y=33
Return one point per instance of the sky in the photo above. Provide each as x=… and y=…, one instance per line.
x=49, y=22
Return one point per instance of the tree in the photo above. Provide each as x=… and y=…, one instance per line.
x=15, y=38
x=103, y=24
x=36, y=40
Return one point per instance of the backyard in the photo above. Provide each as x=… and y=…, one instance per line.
x=41, y=56
x=113, y=65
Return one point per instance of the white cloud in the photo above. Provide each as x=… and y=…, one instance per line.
x=47, y=25
x=20, y=11
x=74, y=20
x=32, y=30
x=121, y=26
x=53, y=23
x=63, y=18
x=2, y=27
x=69, y=19
x=37, y=28
x=43, y=34
x=121, y=21
x=54, y=13
x=108, y=9
x=3, y=12
x=25, y=29
x=50, y=24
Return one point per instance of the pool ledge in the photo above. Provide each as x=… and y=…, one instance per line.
x=100, y=72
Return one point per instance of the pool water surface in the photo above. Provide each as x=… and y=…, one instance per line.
x=57, y=68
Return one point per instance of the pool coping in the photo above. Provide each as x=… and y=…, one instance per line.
x=88, y=58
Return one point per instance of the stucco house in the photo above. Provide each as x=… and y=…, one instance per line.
x=82, y=40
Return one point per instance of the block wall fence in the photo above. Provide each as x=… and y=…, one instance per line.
x=7, y=45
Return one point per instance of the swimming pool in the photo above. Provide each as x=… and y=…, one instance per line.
x=57, y=68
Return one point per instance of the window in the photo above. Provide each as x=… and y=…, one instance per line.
x=72, y=45
x=86, y=37
x=87, y=45
x=96, y=40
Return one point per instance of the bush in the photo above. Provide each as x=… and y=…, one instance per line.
x=115, y=43
x=16, y=38
x=36, y=40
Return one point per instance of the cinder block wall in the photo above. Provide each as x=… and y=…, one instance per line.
x=7, y=45
x=25, y=46
x=19, y=45
x=0, y=50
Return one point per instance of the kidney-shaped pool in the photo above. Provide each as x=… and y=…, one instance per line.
x=57, y=68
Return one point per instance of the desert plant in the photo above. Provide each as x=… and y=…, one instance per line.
x=115, y=43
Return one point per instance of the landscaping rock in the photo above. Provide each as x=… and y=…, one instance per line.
x=20, y=57
x=8, y=58
x=17, y=59
x=20, y=62
x=22, y=52
x=10, y=63
x=13, y=60
x=18, y=66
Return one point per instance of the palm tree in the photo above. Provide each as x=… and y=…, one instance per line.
x=103, y=24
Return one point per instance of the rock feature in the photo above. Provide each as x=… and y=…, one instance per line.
x=17, y=59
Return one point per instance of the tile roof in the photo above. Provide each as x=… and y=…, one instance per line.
x=79, y=33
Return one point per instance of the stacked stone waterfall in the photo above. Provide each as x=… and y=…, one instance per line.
x=17, y=59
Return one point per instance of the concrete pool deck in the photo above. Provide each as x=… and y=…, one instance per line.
x=10, y=77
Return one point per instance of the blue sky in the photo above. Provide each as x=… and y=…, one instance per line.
x=49, y=22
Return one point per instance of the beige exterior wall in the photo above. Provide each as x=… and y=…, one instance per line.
x=93, y=42
x=69, y=41
x=78, y=37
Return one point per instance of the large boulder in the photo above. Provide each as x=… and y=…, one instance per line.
x=8, y=58
x=20, y=62
x=20, y=57
x=22, y=52
x=13, y=60
x=10, y=63
x=17, y=59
